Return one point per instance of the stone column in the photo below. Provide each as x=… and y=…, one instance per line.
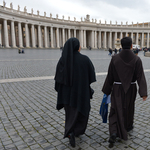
x=84, y=38
x=137, y=36
x=95, y=38
x=92, y=41
x=45, y=36
x=52, y=39
x=126, y=34
x=63, y=36
x=120, y=35
x=48, y=37
x=1, y=35
x=29, y=31
x=104, y=39
x=33, y=36
x=148, y=40
x=99, y=39
x=142, y=39
x=115, y=36
x=115, y=39
x=110, y=39
x=57, y=38
x=6, y=40
x=27, y=35
x=81, y=38
x=20, y=35
x=39, y=36
x=74, y=32
x=13, y=37
x=132, y=36
x=69, y=34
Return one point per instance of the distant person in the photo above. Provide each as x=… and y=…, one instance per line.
x=115, y=51
x=74, y=74
x=61, y=48
x=125, y=69
x=120, y=50
x=19, y=50
x=110, y=51
x=136, y=51
x=90, y=48
x=145, y=50
x=23, y=50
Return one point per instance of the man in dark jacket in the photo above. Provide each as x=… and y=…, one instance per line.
x=124, y=71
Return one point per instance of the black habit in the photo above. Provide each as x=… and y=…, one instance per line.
x=125, y=69
x=74, y=74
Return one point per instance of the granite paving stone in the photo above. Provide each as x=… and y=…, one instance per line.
x=28, y=116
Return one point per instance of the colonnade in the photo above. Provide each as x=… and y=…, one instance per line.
x=22, y=29
x=17, y=34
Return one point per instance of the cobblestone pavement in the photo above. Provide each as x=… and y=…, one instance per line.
x=28, y=116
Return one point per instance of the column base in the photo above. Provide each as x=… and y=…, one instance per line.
x=84, y=48
x=14, y=47
x=7, y=47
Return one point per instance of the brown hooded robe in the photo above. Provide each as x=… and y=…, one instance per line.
x=124, y=68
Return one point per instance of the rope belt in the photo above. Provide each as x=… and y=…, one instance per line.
x=121, y=83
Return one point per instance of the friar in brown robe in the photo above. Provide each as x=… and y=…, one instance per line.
x=125, y=69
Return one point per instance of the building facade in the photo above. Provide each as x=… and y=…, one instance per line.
x=23, y=29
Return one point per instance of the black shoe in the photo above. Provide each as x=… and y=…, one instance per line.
x=111, y=145
x=72, y=139
x=129, y=129
x=112, y=138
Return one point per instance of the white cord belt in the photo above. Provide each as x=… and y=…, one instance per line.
x=121, y=83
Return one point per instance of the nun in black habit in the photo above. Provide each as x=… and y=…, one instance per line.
x=74, y=74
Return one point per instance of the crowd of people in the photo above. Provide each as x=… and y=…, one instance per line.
x=115, y=51
x=74, y=75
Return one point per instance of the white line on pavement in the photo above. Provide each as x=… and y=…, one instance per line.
x=9, y=60
x=46, y=77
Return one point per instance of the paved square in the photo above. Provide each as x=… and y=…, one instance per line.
x=28, y=116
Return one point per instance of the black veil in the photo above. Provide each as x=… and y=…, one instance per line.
x=64, y=70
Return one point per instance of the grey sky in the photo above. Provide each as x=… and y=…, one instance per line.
x=114, y=10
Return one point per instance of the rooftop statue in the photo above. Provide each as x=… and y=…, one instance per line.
x=38, y=12
x=32, y=11
x=44, y=14
x=25, y=9
x=11, y=5
x=18, y=8
x=4, y=4
x=51, y=15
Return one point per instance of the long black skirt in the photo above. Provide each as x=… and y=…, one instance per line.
x=74, y=121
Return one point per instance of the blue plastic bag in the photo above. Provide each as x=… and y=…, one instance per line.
x=104, y=107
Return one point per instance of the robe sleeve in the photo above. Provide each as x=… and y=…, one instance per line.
x=141, y=79
x=56, y=86
x=92, y=76
x=107, y=87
